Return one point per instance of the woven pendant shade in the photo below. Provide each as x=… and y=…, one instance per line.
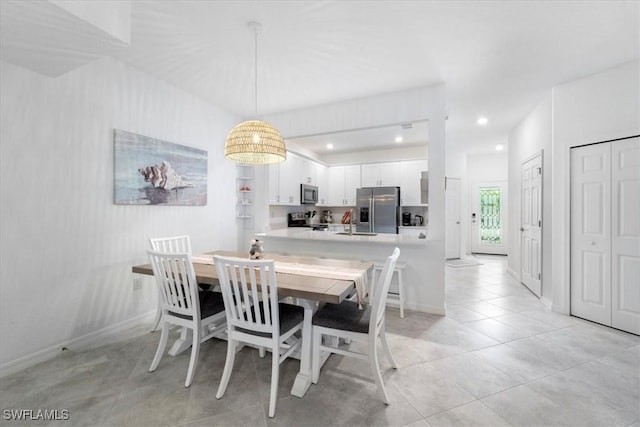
x=255, y=142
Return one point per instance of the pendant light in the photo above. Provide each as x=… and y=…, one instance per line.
x=255, y=141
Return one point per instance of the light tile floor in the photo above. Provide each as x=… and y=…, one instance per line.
x=499, y=358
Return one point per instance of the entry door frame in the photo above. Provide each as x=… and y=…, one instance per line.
x=476, y=247
x=531, y=268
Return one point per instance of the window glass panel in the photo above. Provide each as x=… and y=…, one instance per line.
x=490, y=227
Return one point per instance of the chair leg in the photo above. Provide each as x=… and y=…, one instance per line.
x=385, y=346
x=275, y=376
x=193, y=361
x=375, y=369
x=156, y=322
x=228, y=367
x=164, y=335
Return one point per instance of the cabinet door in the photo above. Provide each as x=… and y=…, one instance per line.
x=351, y=184
x=411, y=172
x=389, y=174
x=370, y=175
x=322, y=179
x=289, y=180
x=308, y=172
x=336, y=186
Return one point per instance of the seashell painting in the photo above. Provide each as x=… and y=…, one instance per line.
x=149, y=171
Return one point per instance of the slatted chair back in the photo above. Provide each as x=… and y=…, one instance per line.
x=381, y=288
x=244, y=283
x=176, y=280
x=176, y=244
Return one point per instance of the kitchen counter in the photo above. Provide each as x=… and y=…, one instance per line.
x=420, y=257
x=310, y=235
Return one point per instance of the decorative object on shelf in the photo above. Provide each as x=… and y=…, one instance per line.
x=256, y=249
x=255, y=141
x=149, y=171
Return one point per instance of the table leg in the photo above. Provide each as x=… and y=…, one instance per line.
x=303, y=379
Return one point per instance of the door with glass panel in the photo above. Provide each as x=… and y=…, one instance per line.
x=488, y=217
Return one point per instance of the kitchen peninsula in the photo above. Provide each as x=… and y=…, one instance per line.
x=418, y=254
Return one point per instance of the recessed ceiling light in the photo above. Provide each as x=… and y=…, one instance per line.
x=482, y=121
x=399, y=139
x=499, y=147
x=329, y=146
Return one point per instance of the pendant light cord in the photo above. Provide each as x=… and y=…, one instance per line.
x=256, y=71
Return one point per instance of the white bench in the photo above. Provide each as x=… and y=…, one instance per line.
x=393, y=299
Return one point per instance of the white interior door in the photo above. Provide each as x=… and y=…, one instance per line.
x=488, y=218
x=452, y=218
x=590, y=232
x=531, y=225
x=625, y=236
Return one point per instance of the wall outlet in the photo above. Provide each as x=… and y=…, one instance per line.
x=137, y=284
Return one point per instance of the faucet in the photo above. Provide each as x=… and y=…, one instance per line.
x=350, y=222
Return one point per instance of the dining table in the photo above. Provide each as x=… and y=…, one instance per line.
x=307, y=281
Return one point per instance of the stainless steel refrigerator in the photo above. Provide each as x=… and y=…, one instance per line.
x=378, y=209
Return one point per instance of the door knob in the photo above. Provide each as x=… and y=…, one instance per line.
x=521, y=228
x=593, y=243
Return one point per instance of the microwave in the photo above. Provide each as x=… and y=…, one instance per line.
x=308, y=194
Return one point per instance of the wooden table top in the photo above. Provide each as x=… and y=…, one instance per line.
x=320, y=289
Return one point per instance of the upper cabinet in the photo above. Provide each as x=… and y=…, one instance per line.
x=343, y=183
x=381, y=174
x=322, y=179
x=411, y=173
x=285, y=180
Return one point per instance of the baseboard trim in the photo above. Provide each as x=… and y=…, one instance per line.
x=546, y=302
x=513, y=274
x=92, y=338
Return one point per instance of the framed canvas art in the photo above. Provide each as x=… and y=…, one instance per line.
x=149, y=171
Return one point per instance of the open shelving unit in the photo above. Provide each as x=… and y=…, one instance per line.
x=245, y=196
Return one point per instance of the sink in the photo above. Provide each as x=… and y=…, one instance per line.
x=356, y=233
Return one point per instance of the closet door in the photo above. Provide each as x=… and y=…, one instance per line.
x=590, y=233
x=625, y=236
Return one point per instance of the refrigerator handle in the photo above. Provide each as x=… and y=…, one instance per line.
x=372, y=217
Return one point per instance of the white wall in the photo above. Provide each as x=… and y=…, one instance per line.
x=67, y=250
x=601, y=107
x=530, y=137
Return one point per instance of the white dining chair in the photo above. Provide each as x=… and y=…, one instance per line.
x=182, y=304
x=180, y=244
x=347, y=321
x=255, y=317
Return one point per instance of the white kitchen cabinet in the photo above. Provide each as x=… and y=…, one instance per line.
x=308, y=172
x=322, y=179
x=381, y=174
x=284, y=181
x=343, y=183
x=410, y=174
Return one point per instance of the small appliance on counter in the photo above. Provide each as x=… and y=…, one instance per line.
x=326, y=217
x=418, y=220
x=406, y=218
x=297, y=219
x=300, y=219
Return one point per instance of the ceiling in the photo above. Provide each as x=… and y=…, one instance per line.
x=497, y=58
